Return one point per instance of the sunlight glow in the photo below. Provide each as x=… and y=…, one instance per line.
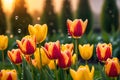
x=8, y=5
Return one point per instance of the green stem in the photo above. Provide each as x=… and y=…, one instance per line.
x=76, y=51
x=40, y=55
x=56, y=76
x=19, y=72
x=115, y=78
x=3, y=57
x=65, y=73
x=86, y=62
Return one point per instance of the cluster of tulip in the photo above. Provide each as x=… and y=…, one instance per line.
x=54, y=55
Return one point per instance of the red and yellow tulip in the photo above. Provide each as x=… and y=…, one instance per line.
x=112, y=67
x=27, y=45
x=15, y=56
x=8, y=75
x=52, y=65
x=65, y=58
x=39, y=31
x=3, y=42
x=86, y=51
x=82, y=73
x=37, y=61
x=104, y=51
x=52, y=49
x=77, y=27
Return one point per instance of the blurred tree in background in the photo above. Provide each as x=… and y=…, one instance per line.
x=3, y=24
x=84, y=12
x=20, y=18
x=109, y=16
x=49, y=17
x=66, y=14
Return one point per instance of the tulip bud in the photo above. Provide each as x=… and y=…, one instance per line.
x=27, y=45
x=39, y=31
x=76, y=28
x=82, y=73
x=3, y=42
x=112, y=67
x=15, y=56
x=86, y=51
x=104, y=51
x=52, y=49
x=8, y=75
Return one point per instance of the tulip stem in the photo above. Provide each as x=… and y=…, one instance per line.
x=40, y=55
x=115, y=78
x=76, y=51
x=56, y=76
x=3, y=57
x=86, y=62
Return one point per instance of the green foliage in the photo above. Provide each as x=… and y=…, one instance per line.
x=84, y=12
x=66, y=14
x=49, y=17
x=20, y=19
x=3, y=25
x=109, y=16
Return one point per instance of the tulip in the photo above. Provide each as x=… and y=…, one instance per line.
x=112, y=67
x=39, y=31
x=52, y=49
x=37, y=61
x=8, y=75
x=74, y=59
x=27, y=45
x=52, y=65
x=86, y=51
x=3, y=42
x=83, y=73
x=65, y=58
x=15, y=56
x=77, y=27
x=104, y=51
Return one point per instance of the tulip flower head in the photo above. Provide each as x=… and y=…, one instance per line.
x=86, y=51
x=3, y=42
x=104, y=51
x=52, y=49
x=65, y=58
x=8, y=75
x=27, y=45
x=52, y=65
x=77, y=27
x=39, y=31
x=15, y=56
x=45, y=60
x=83, y=73
x=112, y=67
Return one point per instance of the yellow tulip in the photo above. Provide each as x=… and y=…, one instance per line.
x=74, y=59
x=3, y=42
x=112, y=67
x=8, y=75
x=39, y=31
x=86, y=51
x=37, y=61
x=83, y=73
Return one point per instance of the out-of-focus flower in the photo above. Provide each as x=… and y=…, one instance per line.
x=74, y=59
x=3, y=42
x=83, y=73
x=8, y=75
x=15, y=56
x=27, y=58
x=52, y=65
x=86, y=51
x=104, y=51
x=37, y=61
x=52, y=49
x=112, y=67
x=65, y=58
x=27, y=45
x=40, y=31
x=77, y=27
